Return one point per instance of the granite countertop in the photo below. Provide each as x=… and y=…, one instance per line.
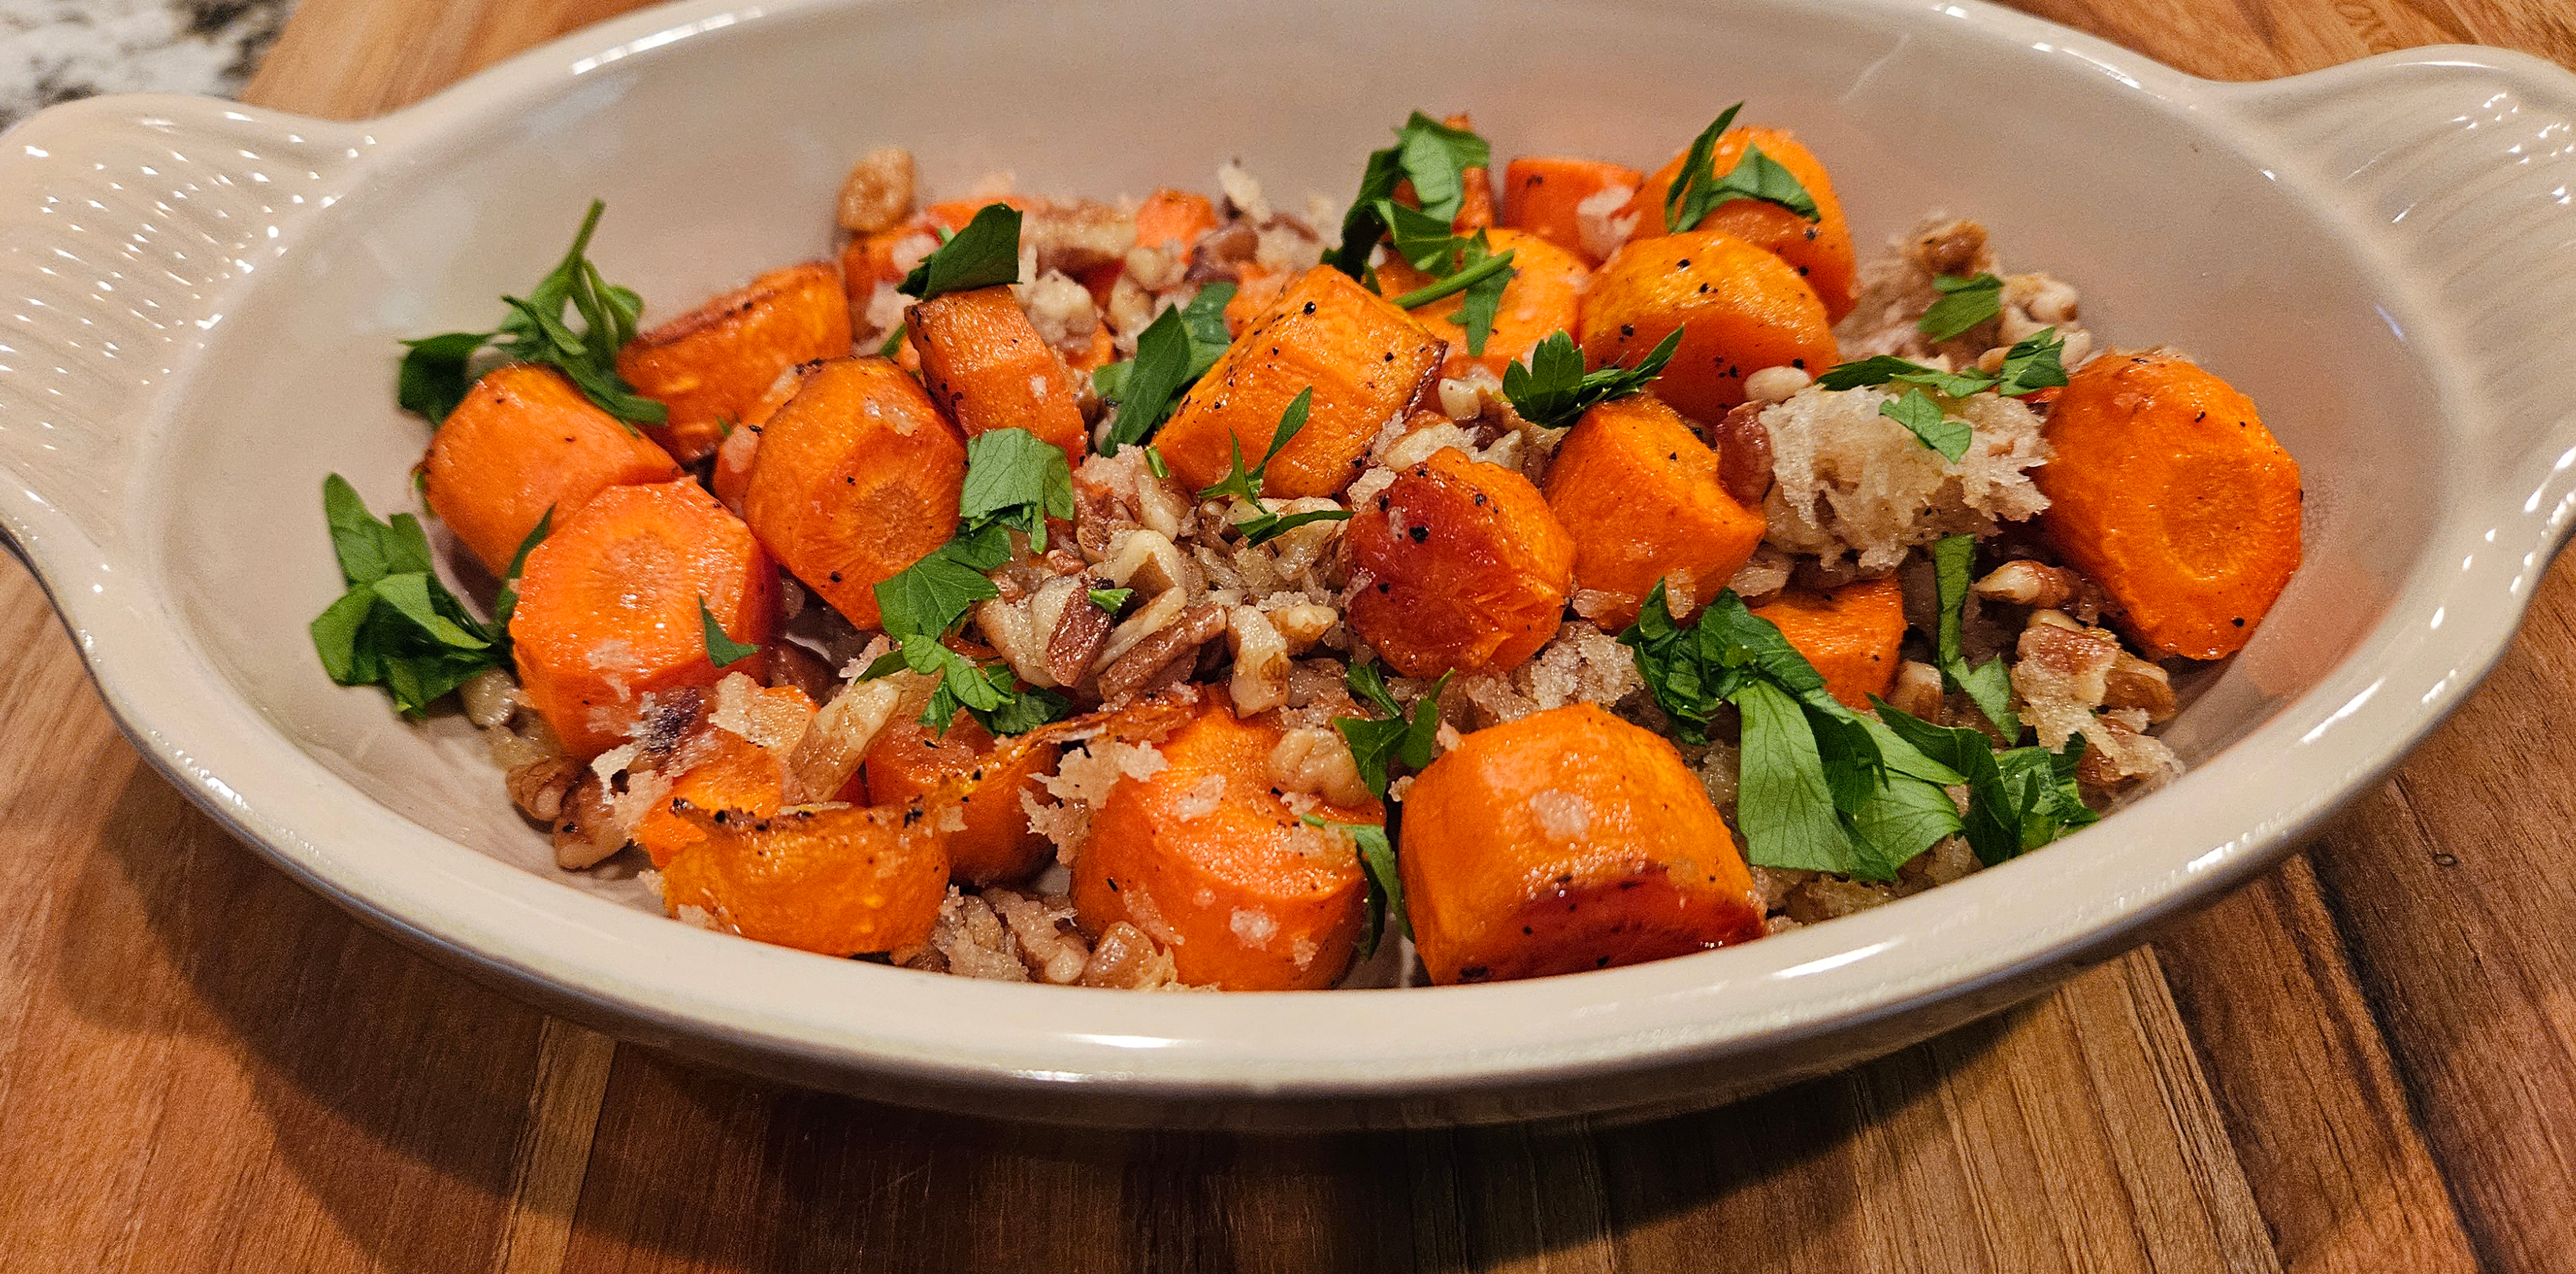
x=56, y=50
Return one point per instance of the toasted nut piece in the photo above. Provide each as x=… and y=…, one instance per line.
x=487, y=698
x=1744, y=453
x=878, y=191
x=1303, y=625
x=1260, y=661
x=586, y=828
x=1194, y=627
x=1051, y=953
x=2135, y=683
x=1127, y=960
x=2029, y=583
x=539, y=787
x=839, y=738
x=1917, y=692
x=1775, y=384
x=1080, y=631
x=1308, y=759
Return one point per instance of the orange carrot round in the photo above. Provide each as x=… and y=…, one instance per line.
x=1543, y=297
x=711, y=364
x=1366, y=360
x=996, y=845
x=1461, y=566
x=731, y=474
x=1740, y=309
x=608, y=606
x=983, y=361
x=525, y=441
x=1641, y=496
x=840, y=881
x=1850, y=634
x=1566, y=840
x=857, y=478
x=1820, y=250
x=1541, y=193
x=723, y=771
x=2166, y=490
x=1171, y=217
x=1206, y=858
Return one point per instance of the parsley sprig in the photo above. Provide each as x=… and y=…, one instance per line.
x=1553, y=390
x=1435, y=157
x=984, y=254
x=1965, y=302
x=1456, y=263
x=2033, y=363
x=1987, y=684
x=436, y=370
x=1915, y=410
x=397, y=626
x=1823, y=788
x=1699, y=190
x=1014, y=481
x=1264, y=525
x=1173, y=351
x=1377, y=746
x=2018, y=799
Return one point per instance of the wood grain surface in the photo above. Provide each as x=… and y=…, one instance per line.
x=2364, y=1062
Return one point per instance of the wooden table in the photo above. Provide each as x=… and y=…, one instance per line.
x=2366, y=1061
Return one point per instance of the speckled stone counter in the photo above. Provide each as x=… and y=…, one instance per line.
x=56, y=50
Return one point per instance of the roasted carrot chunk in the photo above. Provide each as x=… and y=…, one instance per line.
x=984, y=363
x=837, y=880
x=1255, y=292
x=1820, y=250
x=1461, y=565
x=1543, y=297
x=721, y=768
x=857, y=478
x=996, y=845
x=1366, y=360
x=731, y=474
x=711, y=364
x=1206, y=858
x=1642, y=498
x=1849, y=634
x=1740, y=309
x=2167, y=491
x=1171, y=217
x=1563, y=841
x=608, y=606
x=525, y=441
x=1543, y=195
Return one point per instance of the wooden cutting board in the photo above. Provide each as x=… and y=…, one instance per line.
x=2366, y=1061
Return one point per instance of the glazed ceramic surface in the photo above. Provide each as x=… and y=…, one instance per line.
x=198, y=305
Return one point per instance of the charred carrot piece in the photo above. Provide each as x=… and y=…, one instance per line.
x=1171, y=217
x=1739, y=309
x=1206, y=858
x=994, y=843
x=1542, y=195
x=1820, y=250
x=1460, y=565
x=1564, y=841
x=1850, y=634
x=525, y=441
x=857, y=478
x=609, y=606
x=841, y=881
x=983, y=362
x=711, y=364
x=1544, y=297
x=1642, y=498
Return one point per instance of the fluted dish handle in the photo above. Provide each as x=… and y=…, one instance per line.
x=2458, y=165
x=127, y=226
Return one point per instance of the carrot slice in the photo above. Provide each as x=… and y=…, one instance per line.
x=857, y=478
x=1366, y=360
x=1850, y=634
x=1820, y=250
x=840, y=881
x=1740, y=309
x=525, y=441
x=996, y=844
x=1176, y=217
x=711, y=364
x=1206, y=858
x=731, y=474
x=1563, y=841
x=1642, y=498
x=608, y=606
x=1541, y=195
x=1461, y=565
x=1254, y=293
x=2166, y=489
x=722, y=770
x=983, y=361
x=1544, y=296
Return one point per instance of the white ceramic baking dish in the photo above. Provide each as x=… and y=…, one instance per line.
x=198, y=304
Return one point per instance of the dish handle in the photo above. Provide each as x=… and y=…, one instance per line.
x=2459, y=164
x=127, y=225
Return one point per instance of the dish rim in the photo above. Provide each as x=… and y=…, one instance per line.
x=666, y=979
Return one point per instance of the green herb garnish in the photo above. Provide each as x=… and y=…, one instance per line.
x=396, y=626
x=984, y=254
x=1916, y=411
x=1173, y=351
x=1378, y=745
x=1553, y=390
x=1112, y=600
x=1376, y=851
x=722, y=651
x=1964, y=303
x=1823, y=788
x=1700, y=190
x=1989, y=685
x=2033, y=363
x=1245, y=484
x=1435, y=157
x=1016, y=479
x=436, y=371
x=2018, y=800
